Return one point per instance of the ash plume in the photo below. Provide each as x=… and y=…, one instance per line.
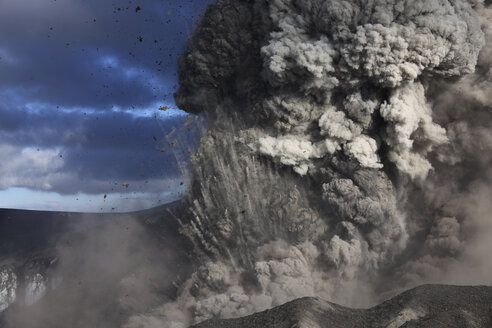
x=347, y=155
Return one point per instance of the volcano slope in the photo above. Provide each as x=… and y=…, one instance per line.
x=65, y=269
x=424, y=306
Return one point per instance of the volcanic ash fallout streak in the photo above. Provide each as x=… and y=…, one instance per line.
x=347, y=155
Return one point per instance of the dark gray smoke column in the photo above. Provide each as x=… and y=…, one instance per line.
x=324, y=171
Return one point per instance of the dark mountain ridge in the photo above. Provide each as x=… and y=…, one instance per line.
x=424, y=306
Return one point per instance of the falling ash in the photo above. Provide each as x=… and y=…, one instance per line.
x=347, y=155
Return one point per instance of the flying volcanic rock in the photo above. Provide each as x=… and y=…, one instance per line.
x=347, y=155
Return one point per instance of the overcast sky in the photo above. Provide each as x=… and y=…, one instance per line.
x=81, y=84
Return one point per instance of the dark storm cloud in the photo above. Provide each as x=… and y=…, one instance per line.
x=110, y=147
x=88, y=78
x=80, y=83
x=93, y=53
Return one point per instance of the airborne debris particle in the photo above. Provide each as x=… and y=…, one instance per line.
x=138, y=9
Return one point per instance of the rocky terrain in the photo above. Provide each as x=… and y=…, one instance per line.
x=425, y=306
x=83, y=269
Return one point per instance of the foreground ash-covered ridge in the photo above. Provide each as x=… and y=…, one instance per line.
x=433, y=306
x=347, y=155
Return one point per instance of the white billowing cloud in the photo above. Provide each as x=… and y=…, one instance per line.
x=337, y=126
x=364, y=149
x=29, y=167
x=411, y=134
x=293, y=151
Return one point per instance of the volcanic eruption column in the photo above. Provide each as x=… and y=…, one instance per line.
x=343, y=139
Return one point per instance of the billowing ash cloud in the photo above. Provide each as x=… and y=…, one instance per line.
x=347, y=141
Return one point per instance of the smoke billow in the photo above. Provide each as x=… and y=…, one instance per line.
x=347, y=156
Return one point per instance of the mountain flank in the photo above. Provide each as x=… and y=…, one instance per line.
x=433, y=306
